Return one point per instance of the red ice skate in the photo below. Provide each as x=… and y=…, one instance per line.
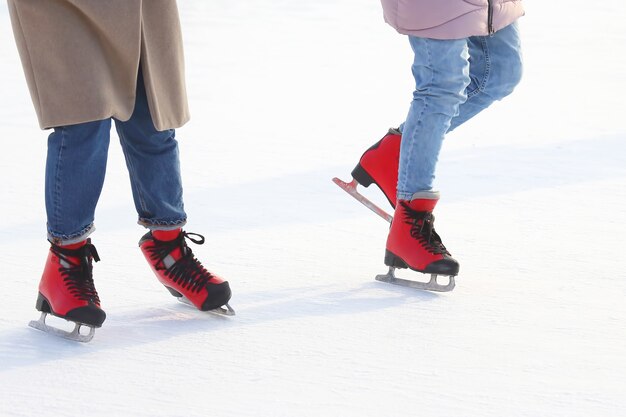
x=182, y=274
x=67, y=290
x=378, y=165
x=413, y=243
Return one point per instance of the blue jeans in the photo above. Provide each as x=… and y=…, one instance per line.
x=76, y=165
x=455, y=80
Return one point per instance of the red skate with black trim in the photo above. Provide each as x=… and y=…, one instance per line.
x=182, y=274
x=378, y=165
x=67, y=290
x=413, y=243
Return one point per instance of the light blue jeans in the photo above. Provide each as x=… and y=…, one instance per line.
x=76, y=165
x=454, y=81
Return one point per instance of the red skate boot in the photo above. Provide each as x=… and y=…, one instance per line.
x=413, y=243
x=378, y=165
x=67, y=290
x=182, y=274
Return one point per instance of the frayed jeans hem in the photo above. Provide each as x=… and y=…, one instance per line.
x=162, y=224
x=61, y=239
x=404, y=196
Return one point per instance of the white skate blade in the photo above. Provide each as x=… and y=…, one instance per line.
x=350, y=188
x=225, y=310
x=431, y=285
x=74, y=335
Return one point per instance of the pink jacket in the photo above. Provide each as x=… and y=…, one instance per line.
x=450, y=19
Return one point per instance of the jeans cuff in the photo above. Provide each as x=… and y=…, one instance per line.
x=404, y=196
x=426, y=194
x=69, y=239
x=153, y=224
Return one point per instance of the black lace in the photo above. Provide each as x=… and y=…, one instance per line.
x=78, y=276
x=423, y=229
x=186, y=271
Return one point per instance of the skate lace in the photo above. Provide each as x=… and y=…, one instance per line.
x=423, y=229
x=186, y=271
x=78, y=276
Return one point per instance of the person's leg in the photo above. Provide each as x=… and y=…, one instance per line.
x=153, y=164
x=441, y=72
x=75, y=169
x=495, y=70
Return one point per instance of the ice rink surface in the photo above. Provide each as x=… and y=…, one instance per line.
x=284, y=96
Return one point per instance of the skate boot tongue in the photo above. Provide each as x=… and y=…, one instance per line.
x=423, y=229
x=175, y=241
x=76, y=270
x=74, y=246
x=166, y=235
x=76, y=252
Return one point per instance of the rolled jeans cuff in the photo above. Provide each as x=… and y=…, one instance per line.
x=62, y=239
x=153, y=224
x=404, y=196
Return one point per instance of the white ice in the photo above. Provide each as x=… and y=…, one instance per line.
x=284, y=96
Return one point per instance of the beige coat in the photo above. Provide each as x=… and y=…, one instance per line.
x=81, y=59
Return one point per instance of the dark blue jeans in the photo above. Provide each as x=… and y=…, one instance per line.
x=76, y=165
